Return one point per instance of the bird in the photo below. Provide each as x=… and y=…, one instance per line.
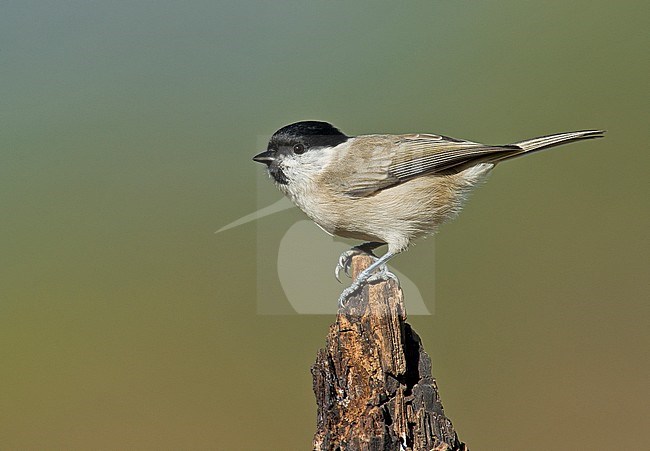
x=384, y=188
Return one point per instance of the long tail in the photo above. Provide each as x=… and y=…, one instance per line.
x=544, y=142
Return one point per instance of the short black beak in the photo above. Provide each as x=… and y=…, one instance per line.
x=267, y=157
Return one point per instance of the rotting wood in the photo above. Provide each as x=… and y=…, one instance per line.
x=372, y=381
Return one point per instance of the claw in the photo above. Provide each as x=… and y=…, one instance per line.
x=347, y=292
x=344, y=263
x=344, y=297
x=337, y=270
x=340, y=265
x=345, y=260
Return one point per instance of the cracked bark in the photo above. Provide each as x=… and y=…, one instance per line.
x=372, y=381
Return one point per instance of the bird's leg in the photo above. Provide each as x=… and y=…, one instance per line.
x=367, y=275
x=345, y=260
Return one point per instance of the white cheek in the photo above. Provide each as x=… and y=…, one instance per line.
x=304, y=168
x=304, y=172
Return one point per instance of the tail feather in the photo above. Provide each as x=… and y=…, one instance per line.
x=544, y=142
x=547, y=141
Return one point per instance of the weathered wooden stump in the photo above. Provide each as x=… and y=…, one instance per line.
x=373, y=382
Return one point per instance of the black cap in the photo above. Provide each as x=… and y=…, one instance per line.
x=310, y=133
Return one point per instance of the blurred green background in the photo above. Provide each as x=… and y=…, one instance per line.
x=127, y=130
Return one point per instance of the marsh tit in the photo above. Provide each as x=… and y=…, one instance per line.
x=384, y=189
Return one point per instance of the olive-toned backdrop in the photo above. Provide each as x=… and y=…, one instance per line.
x=126, y=133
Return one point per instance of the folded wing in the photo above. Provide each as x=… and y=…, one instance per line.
x=422, y=154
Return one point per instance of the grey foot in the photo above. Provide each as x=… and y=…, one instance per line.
x=378, y=265
x=347, y=293
x=345, y=260
x=383, y=275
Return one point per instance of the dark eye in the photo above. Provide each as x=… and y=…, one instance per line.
x=298, y=148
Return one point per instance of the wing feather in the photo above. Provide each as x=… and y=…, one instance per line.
x=411, y=156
